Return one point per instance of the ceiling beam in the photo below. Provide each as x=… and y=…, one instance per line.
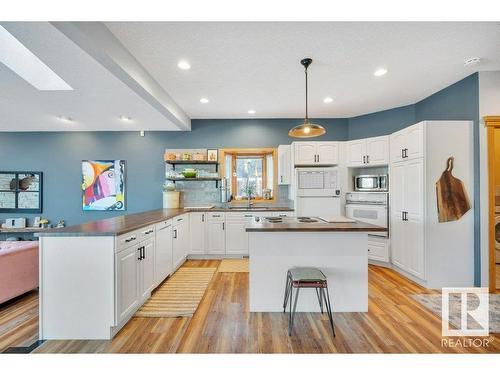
x=101, y=44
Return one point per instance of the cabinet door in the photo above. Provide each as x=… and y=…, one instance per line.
x=398, y=241
x=180, y=237
x=236, y=237
x=397, y=142
x=377, y=150
x=197, y=232
x=328, y=153
x=413, y=200
x=216, y=237
x=397, y=187
x=414, y=251
x=147, y=269
x=305, y=153
x=127, y=282
x=415, y=141
x=356, y=151
x=163, y=251
x=284, y=165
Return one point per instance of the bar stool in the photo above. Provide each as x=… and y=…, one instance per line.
x=306, y=277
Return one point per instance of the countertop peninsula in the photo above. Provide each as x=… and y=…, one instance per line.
x=118, y=225
x=293, y=226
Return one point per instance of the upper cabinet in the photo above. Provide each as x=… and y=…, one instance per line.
x=316, y=153
x=408, y=143
x=368, y=152
x=284, y=165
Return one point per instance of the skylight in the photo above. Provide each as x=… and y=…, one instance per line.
x=29, y=67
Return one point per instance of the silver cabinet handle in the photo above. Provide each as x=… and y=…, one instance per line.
x=215, y=215
x=223, y=226
x=248, y=215
x=175, y=233
x=202, y=218
x=367, y=159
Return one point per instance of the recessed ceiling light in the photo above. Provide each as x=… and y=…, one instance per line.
x=471, y=61
x=252, y=111
x=65, y=118
x=184, y=65
x=204, y=100
x=125, y=118
x=327, y=100
x=380, y=72
x=27, y=65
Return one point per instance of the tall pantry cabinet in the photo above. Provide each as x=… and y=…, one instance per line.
x=433, y=254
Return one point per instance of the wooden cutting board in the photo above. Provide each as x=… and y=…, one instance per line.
x=452, y=199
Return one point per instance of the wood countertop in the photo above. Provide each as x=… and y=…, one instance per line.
x=116, y=226
x=291, y=226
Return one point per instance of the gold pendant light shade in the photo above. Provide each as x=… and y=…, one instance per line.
x=306, y=130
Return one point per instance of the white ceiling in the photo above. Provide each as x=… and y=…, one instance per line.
x=97, y=101
x=240, y=66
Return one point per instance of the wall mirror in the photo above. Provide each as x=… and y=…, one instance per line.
x=21, y=191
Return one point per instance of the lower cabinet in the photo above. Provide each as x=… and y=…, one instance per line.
x=180, y=242
x=197, y=232
x=215, y=232
x=236, y=235
x=127, y=282
x=146, y=269
x=378, y=248
x=135, y=274
x=163, y=251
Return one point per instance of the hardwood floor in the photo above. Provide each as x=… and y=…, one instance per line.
x=395, y=323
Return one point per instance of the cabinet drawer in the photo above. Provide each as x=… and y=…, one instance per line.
x=146, y=232
x=127, y=239
x=378, y=249
x=180, y=219
x=163, y=225
x=240, y=216
x=216, y=216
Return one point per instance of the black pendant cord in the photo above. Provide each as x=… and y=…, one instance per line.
x=307, y=116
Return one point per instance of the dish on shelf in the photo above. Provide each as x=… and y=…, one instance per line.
x=189, y=173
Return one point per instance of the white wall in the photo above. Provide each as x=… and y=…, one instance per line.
x=489, y=105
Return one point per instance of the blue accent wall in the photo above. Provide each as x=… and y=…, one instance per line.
x=381, y=123
x=59, y=155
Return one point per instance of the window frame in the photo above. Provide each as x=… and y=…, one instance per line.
x=252, y=152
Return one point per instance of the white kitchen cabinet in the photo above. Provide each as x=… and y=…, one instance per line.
x=407, y=228
x=433, y=254
x=127, y=282
x=163, y=251
x=236, y=237
x=378, y=248
x=215, y=231
x=146, y=269
x=356, y=153
x=316, y=153
x=368, y=152
x=197, y=232
x=180, y=240
x=284, y=165
x=407, y=143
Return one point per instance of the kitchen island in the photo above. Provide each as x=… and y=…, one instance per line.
x=338, y=249
x=95, y=276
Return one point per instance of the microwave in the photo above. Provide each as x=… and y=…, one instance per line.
x=377, y=182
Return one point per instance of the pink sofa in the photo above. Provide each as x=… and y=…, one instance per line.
x=18, y=268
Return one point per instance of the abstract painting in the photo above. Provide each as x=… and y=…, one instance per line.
x=103, y=185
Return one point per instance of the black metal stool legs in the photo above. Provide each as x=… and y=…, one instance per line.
x=329, y=309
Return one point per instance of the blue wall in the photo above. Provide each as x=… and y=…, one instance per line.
x=381, y=123
x=59, y=155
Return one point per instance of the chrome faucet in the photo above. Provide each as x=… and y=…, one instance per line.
x=249, y=193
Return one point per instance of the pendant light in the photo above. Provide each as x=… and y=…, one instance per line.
x=306, y=129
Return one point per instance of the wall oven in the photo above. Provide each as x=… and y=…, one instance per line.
x=366, y=182
x=370, y=208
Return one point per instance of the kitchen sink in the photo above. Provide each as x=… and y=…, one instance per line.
x=253, y=208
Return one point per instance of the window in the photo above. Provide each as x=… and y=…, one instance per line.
x=250, y=172
x=21, y=192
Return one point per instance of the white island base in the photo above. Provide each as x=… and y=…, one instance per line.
x=342, y=256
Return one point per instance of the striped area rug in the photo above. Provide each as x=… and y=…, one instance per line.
x=233, y=265
x=178, y=296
